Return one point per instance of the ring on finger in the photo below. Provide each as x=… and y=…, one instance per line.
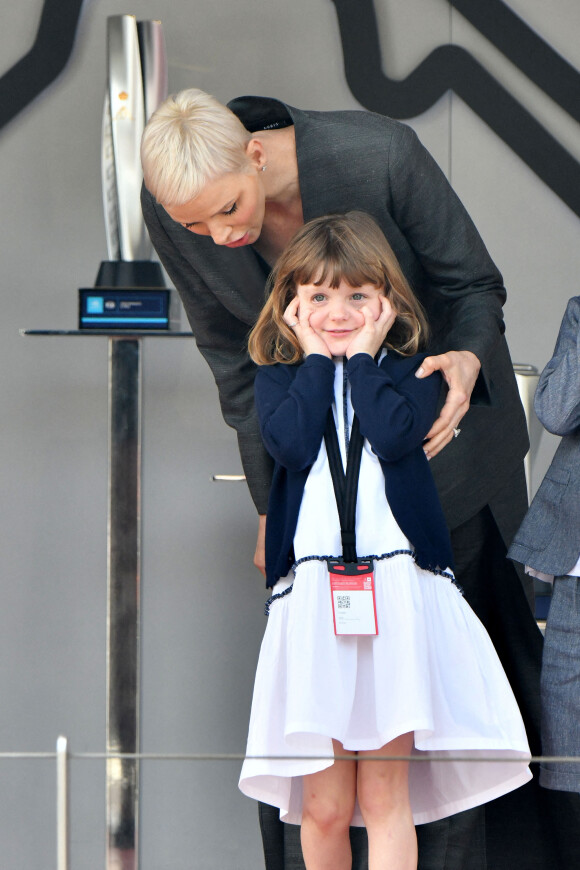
x=456, y=431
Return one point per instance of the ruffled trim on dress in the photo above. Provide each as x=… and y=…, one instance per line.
x=437, y=571
x=275, y=597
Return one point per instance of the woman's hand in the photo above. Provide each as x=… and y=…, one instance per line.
x=299, y=321
x=260, y=554
x=369, y=339
x=460, y=369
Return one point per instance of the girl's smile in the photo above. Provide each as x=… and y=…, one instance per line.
x=335, y=313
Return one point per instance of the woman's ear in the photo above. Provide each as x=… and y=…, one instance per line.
x=256, y=153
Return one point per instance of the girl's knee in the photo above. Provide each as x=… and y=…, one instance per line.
x=379, y=801
x=328, y=797
x=383, y=791
x=330, y=814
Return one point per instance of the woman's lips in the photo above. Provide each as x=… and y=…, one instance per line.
x=239, y=242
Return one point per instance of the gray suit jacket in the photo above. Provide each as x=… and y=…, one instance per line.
x=360, y=160
x=549, y=537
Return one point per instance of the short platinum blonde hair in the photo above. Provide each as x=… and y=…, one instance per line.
x=191, y=139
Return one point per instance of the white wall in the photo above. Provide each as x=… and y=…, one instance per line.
x=202, y=600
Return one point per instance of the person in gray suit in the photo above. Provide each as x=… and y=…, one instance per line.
x=548, y=543
x=224, y=191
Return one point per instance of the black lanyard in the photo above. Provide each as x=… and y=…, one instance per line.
x=345, y=485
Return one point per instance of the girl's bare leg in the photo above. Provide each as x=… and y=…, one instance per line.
x=383, y=796
x=328, y=803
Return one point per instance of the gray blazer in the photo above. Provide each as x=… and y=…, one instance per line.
x=549, y=537
x=360, y=160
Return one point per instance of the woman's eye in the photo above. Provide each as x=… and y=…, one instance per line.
x=232, y=210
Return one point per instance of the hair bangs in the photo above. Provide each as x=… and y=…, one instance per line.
x=331, y=259
x=348, y=269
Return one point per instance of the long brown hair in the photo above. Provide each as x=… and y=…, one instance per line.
x=335, y=248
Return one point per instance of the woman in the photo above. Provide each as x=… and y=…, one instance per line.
x=224, y=191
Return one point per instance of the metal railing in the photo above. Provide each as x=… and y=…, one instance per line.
x=63, y=756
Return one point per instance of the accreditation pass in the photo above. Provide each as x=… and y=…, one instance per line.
x=352, y=586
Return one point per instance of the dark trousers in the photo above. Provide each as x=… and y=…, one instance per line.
x=530, y=828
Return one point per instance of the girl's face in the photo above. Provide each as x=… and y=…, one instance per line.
x=230, y=209
x=335, y=313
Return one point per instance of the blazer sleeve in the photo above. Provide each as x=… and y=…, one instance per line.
x=448, y=246
x=557, y=398
x=292, y=405
x=222, y=340
x=395, y=408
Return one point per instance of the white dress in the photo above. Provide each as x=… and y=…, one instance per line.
x=432, y=668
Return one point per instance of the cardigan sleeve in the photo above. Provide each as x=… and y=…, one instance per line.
x=395, y=408
x=292, y=409
x=557, y=399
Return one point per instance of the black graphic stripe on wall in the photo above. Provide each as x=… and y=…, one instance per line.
x=47, y=58
x=451, y=67
x=526, y=50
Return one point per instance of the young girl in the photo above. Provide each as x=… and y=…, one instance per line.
x=415, y=672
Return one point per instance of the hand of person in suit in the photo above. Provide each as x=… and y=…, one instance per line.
x=460, y=369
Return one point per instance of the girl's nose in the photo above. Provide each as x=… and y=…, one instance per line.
x=338, y=310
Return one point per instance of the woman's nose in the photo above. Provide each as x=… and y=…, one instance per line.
x=220, y=233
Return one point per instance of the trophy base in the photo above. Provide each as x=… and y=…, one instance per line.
x=129, y=273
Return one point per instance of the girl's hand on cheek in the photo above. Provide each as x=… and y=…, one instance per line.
x=298, y=319
x=370, y=337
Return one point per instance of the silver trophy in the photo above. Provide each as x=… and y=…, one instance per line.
x=136, y=85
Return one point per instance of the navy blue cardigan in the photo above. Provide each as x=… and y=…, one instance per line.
x=395, y=409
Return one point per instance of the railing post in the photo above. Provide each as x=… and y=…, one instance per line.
x=62, y=809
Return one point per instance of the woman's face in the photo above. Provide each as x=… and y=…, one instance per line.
x=335, y=313
x=230, y=209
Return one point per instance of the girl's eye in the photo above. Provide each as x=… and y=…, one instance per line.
x=232, y=210
x=358, y=297
x=318, y=297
